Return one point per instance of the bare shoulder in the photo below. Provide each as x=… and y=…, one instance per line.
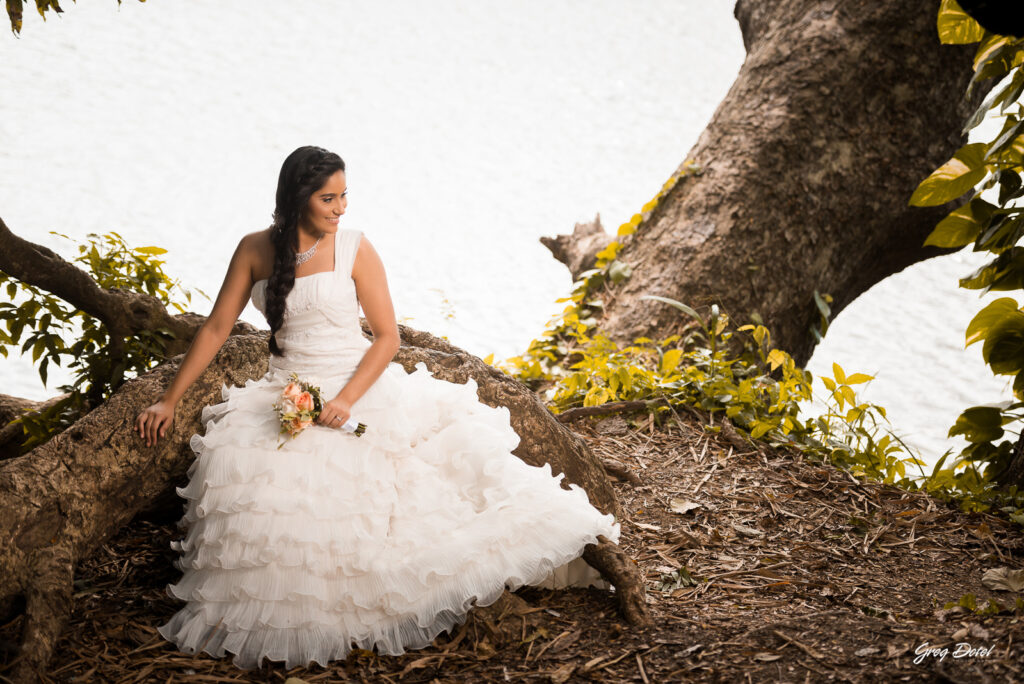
x=258, y=250
x=258, y=240
x=366, y=257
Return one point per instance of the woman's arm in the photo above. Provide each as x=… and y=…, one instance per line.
x=372, y=291
x=234, y=293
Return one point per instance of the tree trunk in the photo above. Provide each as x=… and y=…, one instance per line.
x=63, y=499
x=840, y=109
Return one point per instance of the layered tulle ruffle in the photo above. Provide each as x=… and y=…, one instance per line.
x=382, y=541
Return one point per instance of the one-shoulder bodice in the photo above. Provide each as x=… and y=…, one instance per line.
x=321, y=334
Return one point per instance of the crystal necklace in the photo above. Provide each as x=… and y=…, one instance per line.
x=305, y=256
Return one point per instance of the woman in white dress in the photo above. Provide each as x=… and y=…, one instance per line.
x=337, y=541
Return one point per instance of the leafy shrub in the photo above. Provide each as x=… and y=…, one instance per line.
x=994, y=227
x=43, y=323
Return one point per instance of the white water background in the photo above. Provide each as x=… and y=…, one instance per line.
x=469, y=128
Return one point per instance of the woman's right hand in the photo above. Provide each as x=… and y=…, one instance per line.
x=154, y=421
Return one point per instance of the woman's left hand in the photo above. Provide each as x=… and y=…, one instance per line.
x=334, y=413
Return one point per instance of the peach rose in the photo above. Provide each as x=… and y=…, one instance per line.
x=292, y=390
x=304, y=402
x=298, y=424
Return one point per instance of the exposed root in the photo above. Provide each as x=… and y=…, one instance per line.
x=47, y=607
x=617, y=567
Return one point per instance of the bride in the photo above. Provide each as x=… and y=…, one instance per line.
x=303, y=550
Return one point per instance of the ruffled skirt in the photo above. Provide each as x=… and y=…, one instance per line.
x=337, y=541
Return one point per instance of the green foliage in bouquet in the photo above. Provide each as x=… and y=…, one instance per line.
x=294, y=419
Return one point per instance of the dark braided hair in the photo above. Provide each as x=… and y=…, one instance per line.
x=305, y=171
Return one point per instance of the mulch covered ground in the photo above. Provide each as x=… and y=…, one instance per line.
x=760, y=566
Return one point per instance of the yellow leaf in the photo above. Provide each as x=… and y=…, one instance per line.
x=776, y=357
x=858, y=378
x=837, y=371
x=987, y=48
x=962, y=226
x=958, y=175
x=956, y=26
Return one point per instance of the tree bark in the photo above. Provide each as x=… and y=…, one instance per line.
x=63, y=499
x=578, y=251
x=12, y=407
x=840, y=109
x=11, y=433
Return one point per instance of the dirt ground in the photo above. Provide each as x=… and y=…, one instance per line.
x=760, y=566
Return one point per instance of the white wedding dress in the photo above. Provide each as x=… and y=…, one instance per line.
x=337, y=541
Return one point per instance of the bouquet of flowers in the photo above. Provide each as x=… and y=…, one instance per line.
x=300, y=406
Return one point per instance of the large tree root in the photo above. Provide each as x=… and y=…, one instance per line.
x=62, y=500
x=47, y=606
x=622, y=571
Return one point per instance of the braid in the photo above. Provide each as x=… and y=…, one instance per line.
x=304, y=172
x=281, y=281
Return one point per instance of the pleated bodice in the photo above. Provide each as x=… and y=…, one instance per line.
x=321, y=336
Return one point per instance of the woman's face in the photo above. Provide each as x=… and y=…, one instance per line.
x=325, y=206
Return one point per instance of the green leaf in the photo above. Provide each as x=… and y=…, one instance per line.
x=679, y=305
x=994, y=56
x=1002, y=97
x=978, y=424
x=619, y=271
x=38, y=348
x=1009, y=185
x=1001, y=326
x=1005, y=272
x=988, y=318
x=960, y=174
x=963, y=225
x=1003, y=350
x=1011, y=131
x=955, y=26
x=1013, y=91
